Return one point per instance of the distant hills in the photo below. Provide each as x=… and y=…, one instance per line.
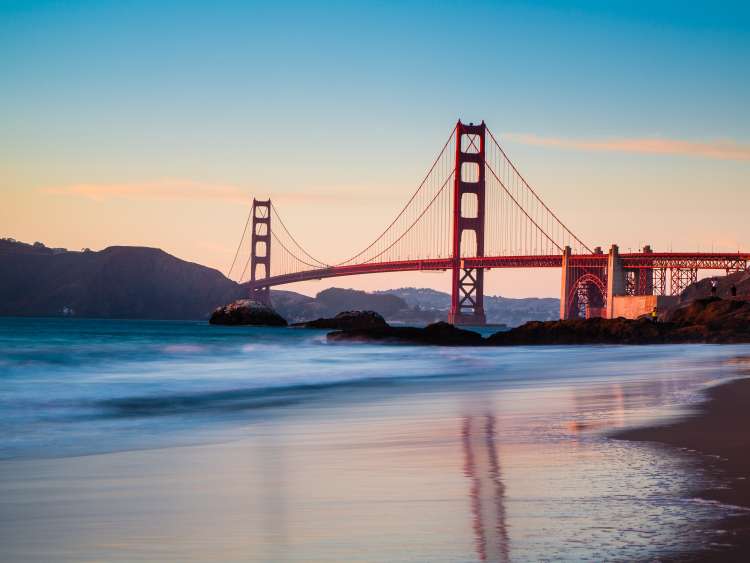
x=296, y=307
x=499, y=310
x=147, y=283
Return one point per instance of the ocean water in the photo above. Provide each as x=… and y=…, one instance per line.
x=272, y=445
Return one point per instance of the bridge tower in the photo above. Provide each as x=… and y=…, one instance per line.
x=260, y=255
x=467, y=291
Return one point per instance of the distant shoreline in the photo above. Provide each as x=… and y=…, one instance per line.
x=718, y=430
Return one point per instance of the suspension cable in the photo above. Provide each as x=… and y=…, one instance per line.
x=421, y=185
x=239, y=246
x=525, y=183
x=276, y=212
x=521, y=208
x=415, y=221
x=297, y=258
x=247, y=263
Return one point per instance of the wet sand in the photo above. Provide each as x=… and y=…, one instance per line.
x=167, y=442
x=454, y=473
x=719, y=431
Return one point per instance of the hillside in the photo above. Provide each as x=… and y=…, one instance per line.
x=297, y=308
x=119, y=281
x=144, y=283
x=499, y=310
x=148, y=283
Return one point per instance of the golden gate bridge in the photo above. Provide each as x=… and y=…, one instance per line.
x=474, y=211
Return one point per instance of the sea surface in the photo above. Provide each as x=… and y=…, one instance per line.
x=177, y=441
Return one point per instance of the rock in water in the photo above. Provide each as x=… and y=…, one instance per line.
x=437, y=334
x=445, y=334
x=246, y=312
x=348, y=320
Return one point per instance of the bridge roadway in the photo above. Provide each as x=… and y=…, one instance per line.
x=637, y=260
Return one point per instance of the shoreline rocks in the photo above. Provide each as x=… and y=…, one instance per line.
x=703, y=321
x=584, y=331
x=436, y=334
x=348, y=320
x=246, y=312
x=712, y=321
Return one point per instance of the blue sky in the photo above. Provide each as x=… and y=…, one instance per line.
x=354, y=99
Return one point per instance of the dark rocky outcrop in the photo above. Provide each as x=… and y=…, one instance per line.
x=348, y=320
x=584, y=331
x=246, y=312
x=437, y=334
x=711, y=320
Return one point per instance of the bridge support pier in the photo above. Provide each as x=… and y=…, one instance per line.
x=260, y=255
x=467, y=288
x=646, y=276
x=615, y=278
x=567, y=284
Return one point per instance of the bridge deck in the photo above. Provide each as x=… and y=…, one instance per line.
x=638, y=260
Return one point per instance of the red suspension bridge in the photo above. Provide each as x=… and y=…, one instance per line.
x=474, y=211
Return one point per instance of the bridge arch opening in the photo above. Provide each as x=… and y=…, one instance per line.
x=588, y=297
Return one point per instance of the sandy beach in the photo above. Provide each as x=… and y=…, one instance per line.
x=177, y=442
x=453, y=470
x=717, y=431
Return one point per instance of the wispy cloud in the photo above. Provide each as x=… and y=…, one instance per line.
x=722, y=150
x=156, y=190
x=191, y=190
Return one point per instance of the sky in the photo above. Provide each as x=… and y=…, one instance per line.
x=156, y=123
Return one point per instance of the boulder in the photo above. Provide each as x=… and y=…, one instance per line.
x=448, y=335
x=437, y=334
x=348, y=320
x=246, y=312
